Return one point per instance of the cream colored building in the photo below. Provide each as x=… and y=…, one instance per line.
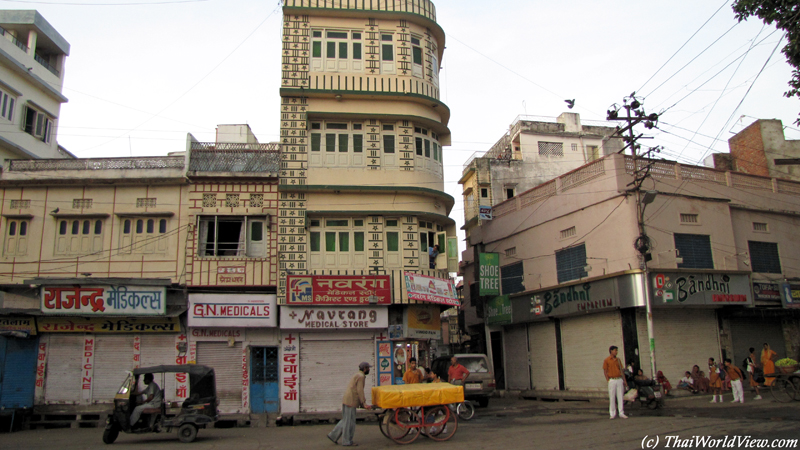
x=32, y=62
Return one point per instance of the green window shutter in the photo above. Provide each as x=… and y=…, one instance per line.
x=343, y=142
x=388, y=143
x=417, y=54
x=342, y=50
x=356, y=50
x=330, y=142
x=331, y=50
x=316, y=49
x=392, y=241
x=314, y=241
x=358, y=143
x=330, y=241
x=387, y=52
x=344, y=241
x=316, y=140
x=358, y=241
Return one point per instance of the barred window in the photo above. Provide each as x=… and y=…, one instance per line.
x=554, y=149
x=511, y=278
x=145, y=202
x=81, y=203
x=209, y=200
x=232, y=200
x=764, y=257
x=695, y=249
x=689, y=218
x=20, y=204
x=569, y=232
x=570, y=263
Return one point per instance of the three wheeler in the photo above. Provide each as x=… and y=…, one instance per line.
x=197, y=411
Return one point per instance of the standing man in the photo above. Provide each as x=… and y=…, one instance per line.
x=412, y=375
x=456, y=373
x=612, y=369
x=433, y=252
x=735, y=375
x=752, y=365
x=152, y=398
x=353, y=398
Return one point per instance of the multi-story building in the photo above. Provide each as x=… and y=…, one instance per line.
x=32, y=58
x=361, y=194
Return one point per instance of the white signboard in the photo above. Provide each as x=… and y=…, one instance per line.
x=334, y=317
x=232, y=310
x=485, y=212
x=105, y=300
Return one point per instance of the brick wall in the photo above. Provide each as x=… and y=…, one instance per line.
x=747, y=151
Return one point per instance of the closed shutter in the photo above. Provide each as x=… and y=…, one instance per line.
x=227, y=364
x=18, y=372
x=64, y=359
x=113, y=357
x=326, y=366
x=544, y=357
x=156, y=350
x=584, y=346
x=515, y=341
x=684, y=337
x=754, y=332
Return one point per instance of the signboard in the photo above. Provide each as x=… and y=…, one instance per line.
x=107, y=325
x=422, y=322
x=231, y=275
x=216, y=334
x=429, y=289
x=489, y=271
x=498, y=310
x=485, y=212
x=395, y=331
x=766, y=292
x=791, y=295
x=18, y=324
x=334, y=318
x=384, y=352
x=105, y=300
x=338, y=289
x=233, y=310
x=289, y=374
x=701, y=289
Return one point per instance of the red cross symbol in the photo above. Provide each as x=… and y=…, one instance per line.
x=290, y=339
x=381, y=337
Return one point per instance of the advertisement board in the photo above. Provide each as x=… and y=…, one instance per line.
x=432, y=290
x=104, y=300
x=233, y=310
x=338, y=289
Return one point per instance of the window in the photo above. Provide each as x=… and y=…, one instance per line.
x=426, y=146
x=512, y=278
x=16, y=237
x=20, y=204
x=571, y=263
x=7, y=105
x=484, y=192
x=37, y=123
x=336, y=243
x=764, y=257
x=82, y=203
x=387, y=50
x=342, y=50
x=145, y=203
x=757, y=226
x=690, y=218
x=416, y=57
x=569, y=232
x=139, y=236
x=551, y=149
x=341, y=144
x=592, y=153
x=392, y=241
x=695, y=249
x=510, y=192
x=232, y=236
x=511, y=251
x=388, y=143
x=77, y=237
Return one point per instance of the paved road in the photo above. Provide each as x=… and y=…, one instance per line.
x=506, y=424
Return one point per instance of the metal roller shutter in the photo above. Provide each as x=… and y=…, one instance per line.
x=158, y=349
x=544, y=359
x=63, y=378
x=684, y=337
x=584, y=345
x=227, y=364
x=113, y=357
x=515, y=343
x=327, y=366
x=18, y=366
x=754, y=332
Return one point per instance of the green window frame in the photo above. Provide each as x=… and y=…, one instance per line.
x=330, y=142
x=387, y=52
x=418, y=145
x=343, y=143
x=356, y=50
x=342, y=50
x=358, y=241
x=314, y=241
x=344, y=241
x=388, y=143
x=392, y=241
x=416, y=53
x=331, y=51
x=427, y=148
x=358, y=143
x=330, y=241
x=316, y=49
x=316, y=141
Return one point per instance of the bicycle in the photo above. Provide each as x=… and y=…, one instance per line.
x=465, y=410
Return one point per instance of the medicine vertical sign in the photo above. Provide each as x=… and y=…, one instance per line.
x=489, y=267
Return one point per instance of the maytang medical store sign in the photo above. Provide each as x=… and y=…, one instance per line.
x=489, y=273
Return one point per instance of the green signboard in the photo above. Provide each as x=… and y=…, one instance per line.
x=489, y=274
x=498, y=310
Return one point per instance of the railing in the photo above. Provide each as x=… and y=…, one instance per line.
x=472, y=158
x=372, y=83
x=17, y=42
x=46, y=65
x=38, y=165
x=234, y=157
x=423, y=8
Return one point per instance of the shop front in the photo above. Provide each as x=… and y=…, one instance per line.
x=18, y=351
x=418, y=336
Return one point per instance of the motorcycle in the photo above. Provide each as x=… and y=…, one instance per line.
x=649, y=393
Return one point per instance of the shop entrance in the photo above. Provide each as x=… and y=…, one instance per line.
x=264, y=392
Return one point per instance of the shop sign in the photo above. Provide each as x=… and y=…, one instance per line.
x=105, y=300
x=232, y=310
x=396, y=331
x=422, y=322
x=181, y=379
x=791, y=295
x=485, y=212
x=206, y=334
x=18, y=324
x=489, y=274
x=245, y=380
x=231, y=275
x=87, y=369
x=766, y=292
x=41, y=369
x=338, y=290
x=106, y=325
x=429, y=289
x=701, y=289
x=498, y=310
x=289, y=375
x=384, y=349
x=334, y=318
x=594, y=296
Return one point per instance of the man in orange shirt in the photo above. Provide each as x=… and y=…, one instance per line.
x=412, y=375
x=735, y=375
x=456, y=373
x=612, y=369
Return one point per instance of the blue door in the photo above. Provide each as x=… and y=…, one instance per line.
x=264, y=392
x=17, y=372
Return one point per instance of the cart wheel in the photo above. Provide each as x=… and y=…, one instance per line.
x=652, y=404
x=465, y=410
x=110, y=434
x=187, y=433
x=796, y=383
x=783, y=390
x=403, y=426
x=383, y=421
x=441, y=424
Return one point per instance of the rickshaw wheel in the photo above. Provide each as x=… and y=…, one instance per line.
x=187, y=433
x=110, y=434
x=401, y=426
x=442, y=424
x=783, y=390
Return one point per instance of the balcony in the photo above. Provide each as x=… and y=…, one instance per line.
x=234, y=157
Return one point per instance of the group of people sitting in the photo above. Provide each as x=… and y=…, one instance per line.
x=456, y=373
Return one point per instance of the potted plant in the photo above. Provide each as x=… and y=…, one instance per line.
x=786, y=365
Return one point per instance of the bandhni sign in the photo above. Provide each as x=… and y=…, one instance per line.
x=334, y=318
x=429, y=289
x=489, y=273
x=232, y=310
x=701, y=289
x=338, y=289
x=104, y=300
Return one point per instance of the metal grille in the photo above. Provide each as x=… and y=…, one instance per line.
x=511, y=251
x=511, y=278
x=145, y=202
x=689, y=218
x=232, y=200
x=551, y=149
x=166, y=162
x=695, y=249
x=570, y=263
x=265, y=365
x=20, y=204
x=234, y=158
x=568, y=232
x=760, y=226
x=764, y=257
x=82, y=203
x=256, y=200
x=209, y=200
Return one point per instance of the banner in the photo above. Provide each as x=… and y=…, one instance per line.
x=104, y=300
x=334, y=318
x=489, y=270
x=233, y=310
x=432, y=290
x=109, y=325
x=338, y=289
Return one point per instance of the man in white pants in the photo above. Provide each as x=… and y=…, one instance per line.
x=736, y=376
x=612, y=369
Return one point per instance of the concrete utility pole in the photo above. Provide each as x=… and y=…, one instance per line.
x=634, y=115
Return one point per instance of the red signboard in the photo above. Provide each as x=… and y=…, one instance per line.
x=338, y=289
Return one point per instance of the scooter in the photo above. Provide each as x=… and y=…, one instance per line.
x=649, y=394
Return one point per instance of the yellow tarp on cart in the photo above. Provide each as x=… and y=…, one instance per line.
x=424, y=394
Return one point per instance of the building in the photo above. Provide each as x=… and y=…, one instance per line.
x=361, y=195
x=720, y=267
x=32, y=59
x=762, y=149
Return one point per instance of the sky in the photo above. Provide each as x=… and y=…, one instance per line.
x=142, y=74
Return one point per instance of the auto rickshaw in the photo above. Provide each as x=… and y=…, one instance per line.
x=197, y=411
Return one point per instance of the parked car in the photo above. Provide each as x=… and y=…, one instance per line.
x=480, y=384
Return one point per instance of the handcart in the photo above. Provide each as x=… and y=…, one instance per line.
x=786, y=386
x=414, y=409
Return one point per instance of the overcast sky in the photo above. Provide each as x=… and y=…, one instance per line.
x=142, y=74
